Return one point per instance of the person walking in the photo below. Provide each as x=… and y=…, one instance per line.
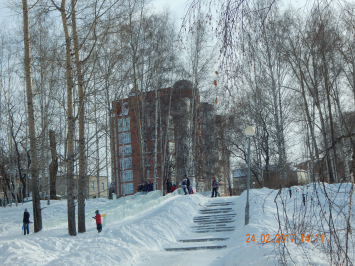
x=98, y=221
x=183, y=185
x=26, y=222
x=215, y=186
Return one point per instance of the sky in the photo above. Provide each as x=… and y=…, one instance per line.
x=177, y=7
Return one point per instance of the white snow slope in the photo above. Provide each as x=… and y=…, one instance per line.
x=137, y=228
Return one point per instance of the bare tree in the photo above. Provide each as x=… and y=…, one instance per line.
x=37, y=217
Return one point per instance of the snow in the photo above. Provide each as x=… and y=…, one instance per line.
x=137, y=228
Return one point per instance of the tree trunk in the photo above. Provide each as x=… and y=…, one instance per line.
x=53, y=167
x=82, y=182
x=37, y=217
x=71, y=126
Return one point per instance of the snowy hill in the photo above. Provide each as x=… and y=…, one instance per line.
x=138, y=229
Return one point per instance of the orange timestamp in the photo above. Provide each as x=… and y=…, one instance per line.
x=282, y=238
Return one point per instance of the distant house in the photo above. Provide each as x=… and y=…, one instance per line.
x=318, y=171
x=92, y=189
x=295, y=176
x=240, y=181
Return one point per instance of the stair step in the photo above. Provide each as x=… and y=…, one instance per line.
x=215, y=216
x=203, y=239
x=223, y=202
x=215, y=210
x=212, y=228
x=194, y=248
x=216, y=222
x=213, y=231
x=220, y=203
x=209, y=226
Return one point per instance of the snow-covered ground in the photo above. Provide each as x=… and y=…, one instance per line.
x=136, y=229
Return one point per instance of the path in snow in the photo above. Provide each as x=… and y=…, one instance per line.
x=195, y=238
x=216, y=216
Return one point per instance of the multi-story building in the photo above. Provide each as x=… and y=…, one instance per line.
x=172, y=140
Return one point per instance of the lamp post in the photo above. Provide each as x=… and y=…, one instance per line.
x=249, y=131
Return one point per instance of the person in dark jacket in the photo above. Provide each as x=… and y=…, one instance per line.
x=187, y=183
x=140, y=187
x=215, y=186
x=98, y=221
x=168, y=186
x=145, y=187
x=150, y=186
x=26, y=222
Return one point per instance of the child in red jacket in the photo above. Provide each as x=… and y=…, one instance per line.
x=98, y=221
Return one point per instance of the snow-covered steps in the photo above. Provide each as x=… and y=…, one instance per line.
x=195, y=248
x=220, y=210
x=214, y=230
x=217, y=204
x=216, y=217
x=203, y=239
x=214, y=222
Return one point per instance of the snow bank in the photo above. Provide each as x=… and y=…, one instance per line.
x=137, y=228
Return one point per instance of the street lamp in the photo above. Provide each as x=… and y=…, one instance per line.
x=249, y=131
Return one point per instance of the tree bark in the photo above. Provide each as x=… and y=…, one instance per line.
x=82, y=182
x=71, y=125
x=53, y=167
x=37, y=217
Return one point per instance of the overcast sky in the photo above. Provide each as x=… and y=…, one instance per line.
x=176, y=7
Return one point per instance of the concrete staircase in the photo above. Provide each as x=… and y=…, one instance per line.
x=215, y=218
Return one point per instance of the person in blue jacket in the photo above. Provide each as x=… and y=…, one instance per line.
x=26, y=222
x=145, y=187
x=184, y=185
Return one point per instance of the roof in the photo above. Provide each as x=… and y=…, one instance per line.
x=240, y=172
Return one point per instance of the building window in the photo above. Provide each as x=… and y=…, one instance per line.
x=125, y=151
x=122, y=189
x=124, y=124
x=93, y=185
x=126, y=175
x=103, y=186
x=128, y=188
x=124, y=138
x=148, y=174
x=127, y=163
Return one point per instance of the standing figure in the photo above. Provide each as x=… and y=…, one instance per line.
x=145, y=187
x=140, y=187
x=168, y=186
x=215, y=186
x=187, y=184
x=26, y=221
x=98, y=221
x=183, y=185
x=150, y=186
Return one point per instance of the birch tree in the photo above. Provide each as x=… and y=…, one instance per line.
x=37, y=217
